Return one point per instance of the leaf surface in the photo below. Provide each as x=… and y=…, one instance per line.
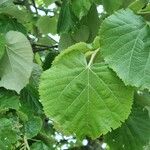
x=84, y=98
x=16, y=64
x=124, y=39
x=134, y=134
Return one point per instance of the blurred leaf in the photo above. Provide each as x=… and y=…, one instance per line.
x=2, y=46
x=8, y=99
x=8, y=135
x=40, y=146
x=138, y=5
x=46, y=41
x=16, y=64
x=81, y=34
x=112, y=5
x=30, y=104
x=81, y=7
x=66, y=20
x=8, y=7
x=48, y=2
x=35, y=76
x=7, y=24
x=88, y=20
x=134, y=134
x=32, y=127
x=47, y=24
x=49, y=59
x=65, y=41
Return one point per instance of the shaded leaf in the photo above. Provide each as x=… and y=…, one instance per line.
x=47, y=24
x=8, y=100
x=16, y=64
x=32, y=127
x=81, y=7
x=40, y=146
x=111, y=6
x=8, y=135
x=134, y=134
x=66, y=20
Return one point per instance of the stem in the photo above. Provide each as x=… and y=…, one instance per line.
x=92, y=58
x=26, y=143
x=47, y=140
x=33, y=2
x=40, y=47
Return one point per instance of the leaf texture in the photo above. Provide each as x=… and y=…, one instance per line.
x=125, y=42
x=84, y=98
x=134, y=134
x=17, y=62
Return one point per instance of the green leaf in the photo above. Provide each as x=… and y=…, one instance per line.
x=111, y=6
x=30, y=104
x=7, y=24
x=49, y=59
x=66, y=20
x=84, y=98
x=32, y=127
x=7, y=7
x=124, y=40
x=48, y=2
x=47, y=24
x=8, y=135
x=81, y=7
x=2, y=46
x=134, y=134
x=8, y=100
x=65, y=41
x=40, y=146
x=93, y=22
x=138, y=5
x=81, y=34
x=16, y=64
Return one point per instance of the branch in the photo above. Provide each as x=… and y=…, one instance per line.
x=40, y=47
x=33, y=2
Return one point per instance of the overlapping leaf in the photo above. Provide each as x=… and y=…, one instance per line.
x=81, y=7
x=8, y=100
x=16, y=64
x=8, y=135
x=134, y=134
x=125, y=43
x=84, y=98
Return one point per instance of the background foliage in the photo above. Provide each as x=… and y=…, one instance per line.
x=74, y=75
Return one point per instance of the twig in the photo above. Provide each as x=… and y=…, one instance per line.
x=40, y=47
x=33, y=2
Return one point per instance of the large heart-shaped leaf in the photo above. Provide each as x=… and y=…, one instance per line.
x=16, y=64
x=125, y=44
x=82, y=97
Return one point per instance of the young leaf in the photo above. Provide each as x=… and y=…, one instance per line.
x=111, y=6
x=47, y=24
x=82, y=97
x=8, y=136
x=81, y=7
x=8, y=100
x=124, y=39
x=40, y=146
x=16, y=64
x=66, y=19
x=2, y=46
x=32, y=127
x=7, y=24
x=134, y=134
